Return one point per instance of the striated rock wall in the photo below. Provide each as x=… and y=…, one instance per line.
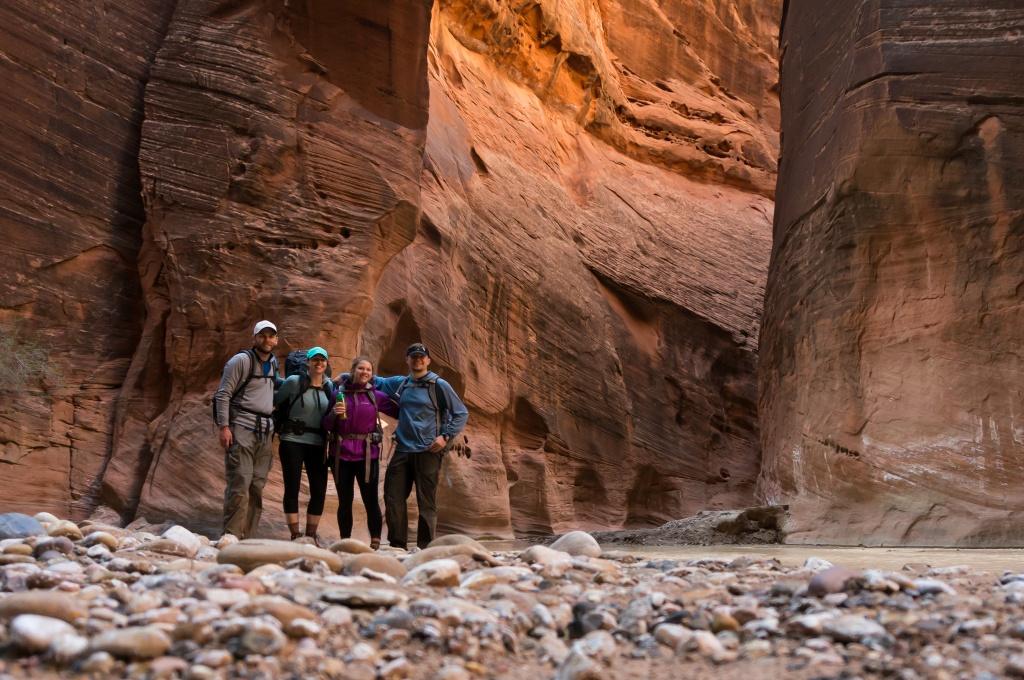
x=569, y=201
x=891, y=399
x=71, y=218
x=280, y=168
x=590, y=258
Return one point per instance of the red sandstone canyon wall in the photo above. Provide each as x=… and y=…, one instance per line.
x=891, y=372
x=591, y=255
x=570, y=202
x=71, y=220
x=280, y=169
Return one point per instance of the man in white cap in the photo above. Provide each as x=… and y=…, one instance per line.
x=243, y=408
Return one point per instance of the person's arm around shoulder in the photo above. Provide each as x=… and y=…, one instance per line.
x=234, y=373
x=390, y=385
x=287, y=389
x=457, y=414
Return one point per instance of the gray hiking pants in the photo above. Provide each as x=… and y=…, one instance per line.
x=405, y=470
x=246, y=466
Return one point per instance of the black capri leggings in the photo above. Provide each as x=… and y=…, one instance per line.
x=345, y=472
x=293, y=457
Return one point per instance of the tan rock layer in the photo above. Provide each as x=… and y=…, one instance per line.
x=891, y=372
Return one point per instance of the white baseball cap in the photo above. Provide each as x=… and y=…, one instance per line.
x=263, y=325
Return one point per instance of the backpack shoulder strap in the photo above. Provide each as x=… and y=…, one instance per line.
x=376, y=415
x=248, y=378
x=440, y=399
x=432, y=392
x=326, y=389
x=397, y=397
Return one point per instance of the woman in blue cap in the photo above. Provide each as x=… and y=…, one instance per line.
x=307, y=400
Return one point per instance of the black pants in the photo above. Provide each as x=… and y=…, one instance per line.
x=345, y=472
x=293, y=457
x=422, y=470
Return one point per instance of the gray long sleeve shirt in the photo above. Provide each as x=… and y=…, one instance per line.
x=257, y=397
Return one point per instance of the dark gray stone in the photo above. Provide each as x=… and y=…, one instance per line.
x=17, y=525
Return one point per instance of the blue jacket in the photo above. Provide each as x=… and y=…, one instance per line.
x=417, y=423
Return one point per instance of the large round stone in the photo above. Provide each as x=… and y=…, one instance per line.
x=578, y=543
x=831, y=580
x=255, y=552
x=350, y=546
x=17, y=525
x=382, y=564
x=457, y=539
x=33, y=634
x=282, y=609
x=441, y=573
x=448, y=552
x=141, y=642
x=54, y=604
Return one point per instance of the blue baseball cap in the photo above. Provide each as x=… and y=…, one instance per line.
x=315, y=351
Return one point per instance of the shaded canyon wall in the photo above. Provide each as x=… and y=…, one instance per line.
x=891, y=368
x=71, y=216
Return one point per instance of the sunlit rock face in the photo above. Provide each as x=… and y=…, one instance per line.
x=569, y=202
x=891, y=369
x=590, y=260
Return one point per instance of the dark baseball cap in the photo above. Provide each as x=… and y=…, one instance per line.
x=417, y=348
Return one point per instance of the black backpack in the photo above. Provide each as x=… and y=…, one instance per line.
x=296, y=364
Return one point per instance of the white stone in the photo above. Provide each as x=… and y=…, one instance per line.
x=185, y=538
x=46, y=518
x=852, y=628
x=66, y=648
x=672, y=635
x=930, y=586
x=99, y=552
x=597, y=644
x=817, y=564
x=33, y=634
x=578, y=543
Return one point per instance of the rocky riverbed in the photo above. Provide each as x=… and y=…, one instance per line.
x=163, y=602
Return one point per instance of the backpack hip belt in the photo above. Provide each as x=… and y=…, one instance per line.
x=264, y=421
x=299, y=427
x=369, y=439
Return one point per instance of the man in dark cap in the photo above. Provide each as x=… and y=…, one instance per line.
x=430, y=416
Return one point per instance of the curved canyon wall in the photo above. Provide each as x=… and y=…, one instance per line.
x=891, y=386
x=71, y=218
x=570, y=202
x=589, y=266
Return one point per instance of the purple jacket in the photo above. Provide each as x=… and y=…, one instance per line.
x=362, y=419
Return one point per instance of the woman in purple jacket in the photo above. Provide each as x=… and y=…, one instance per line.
x=354, y=440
